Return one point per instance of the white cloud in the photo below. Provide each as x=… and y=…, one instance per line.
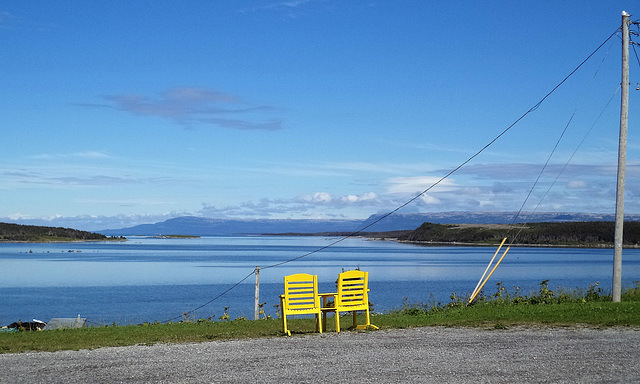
x=577, y=184
x=318, y=197
x=352, y=199
x=324, y=198
x=19, y=216
x=429, y=199
x=392, y=168
x=92, y=155
x=418, y=184
x=99, y=180
x=318, y=204
x=128, y=202
x=89, y=154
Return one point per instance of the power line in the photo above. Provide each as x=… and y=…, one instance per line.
x=635, y=23
x=215, y=298
x=456, y=168
x=421, y=193
x=513, y=240
x=515, y=217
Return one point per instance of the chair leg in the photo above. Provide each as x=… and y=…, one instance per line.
x=318, y=323
x=324, y=320
x=284, y=317
x=337, y=321
x=355, y=319
x=368, y=322
x=284, y=325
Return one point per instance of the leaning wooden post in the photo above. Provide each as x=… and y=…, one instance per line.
x=487, y=279
x=256, y=306
x=476, y=289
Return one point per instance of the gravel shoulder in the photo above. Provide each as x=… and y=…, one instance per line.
x=418, y=355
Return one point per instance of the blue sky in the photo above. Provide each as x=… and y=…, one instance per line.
x=120, y=113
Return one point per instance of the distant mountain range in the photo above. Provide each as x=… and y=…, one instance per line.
x=200, y=226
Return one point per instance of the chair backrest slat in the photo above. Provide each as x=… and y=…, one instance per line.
x=301, y=292
x=352, y=288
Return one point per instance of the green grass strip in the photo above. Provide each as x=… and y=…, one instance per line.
x=492, y=315
x=501, y=310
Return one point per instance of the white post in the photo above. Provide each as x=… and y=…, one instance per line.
x=622, y=159
x=256, y=306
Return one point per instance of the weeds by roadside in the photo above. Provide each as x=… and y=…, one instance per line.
x=507, y=308
x=503, y=297
x=498, y=311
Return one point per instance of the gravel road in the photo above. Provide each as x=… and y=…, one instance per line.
x=419, y=355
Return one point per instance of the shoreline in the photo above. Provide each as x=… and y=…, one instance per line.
x=369, y=238
x=461, y=244
x=59, y=241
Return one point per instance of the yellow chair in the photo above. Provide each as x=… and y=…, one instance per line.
x=352, y=296
x=300, y=298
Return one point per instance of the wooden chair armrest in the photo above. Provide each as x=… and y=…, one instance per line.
x=325, y=297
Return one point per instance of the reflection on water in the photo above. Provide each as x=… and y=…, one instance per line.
x=158, y=279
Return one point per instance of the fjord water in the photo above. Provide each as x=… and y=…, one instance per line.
x=152, y=279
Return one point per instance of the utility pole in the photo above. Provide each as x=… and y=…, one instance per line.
x=622, y=160
x=256, y=305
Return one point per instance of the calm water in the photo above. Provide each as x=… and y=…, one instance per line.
x=159, y=279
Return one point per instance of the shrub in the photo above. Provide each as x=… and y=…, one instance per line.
x=632, y=294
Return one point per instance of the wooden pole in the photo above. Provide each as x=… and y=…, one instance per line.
x=622, y=159
x=256, y=305
x=487, y=279
x=476, y=289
